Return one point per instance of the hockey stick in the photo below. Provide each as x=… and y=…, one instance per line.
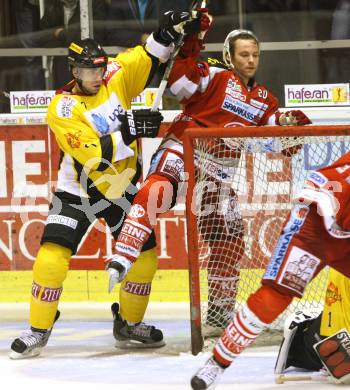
x=178, y=44
x=281, y=378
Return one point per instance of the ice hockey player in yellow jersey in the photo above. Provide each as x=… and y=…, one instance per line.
x=99, y=167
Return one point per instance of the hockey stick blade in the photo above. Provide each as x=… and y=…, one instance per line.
x=281, y=378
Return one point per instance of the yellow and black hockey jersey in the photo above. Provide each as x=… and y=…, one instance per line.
x=336, y=314
x=95, y=161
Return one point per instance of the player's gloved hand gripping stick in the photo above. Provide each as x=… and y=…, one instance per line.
x=189, y=22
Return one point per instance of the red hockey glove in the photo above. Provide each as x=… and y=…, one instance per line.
x=193, y=43
x=292, y=118
x=205, y=19
x=175, y=23
x=334, y=352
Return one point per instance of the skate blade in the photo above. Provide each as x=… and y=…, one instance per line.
x=17, y=356
x=133, y=344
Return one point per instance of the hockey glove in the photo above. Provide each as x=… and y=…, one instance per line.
x=292, y=118
x=334, y=352
x=193, y=43
x=117, y=267
x=175, y=23
x=139, y=123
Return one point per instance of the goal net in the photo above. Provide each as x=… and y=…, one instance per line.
x=241, y=185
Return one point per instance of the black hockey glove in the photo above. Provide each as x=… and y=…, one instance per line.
x=175, y=23
x=139, y=123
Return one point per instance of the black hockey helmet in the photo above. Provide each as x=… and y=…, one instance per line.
x=87, y=53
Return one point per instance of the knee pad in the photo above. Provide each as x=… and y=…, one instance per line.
x=51, y=265
x=136, y=287
x=157, y=195
x=268, y=303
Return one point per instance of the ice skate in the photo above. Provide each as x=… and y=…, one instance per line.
x=207, y=376
x=31, y=342
x=138, y=335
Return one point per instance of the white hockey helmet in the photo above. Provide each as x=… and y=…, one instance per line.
x=235, y=35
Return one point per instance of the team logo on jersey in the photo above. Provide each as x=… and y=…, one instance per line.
x=73, y=139
x=137, y=211
x=234, y=85
x=104, y=118
x=296, y=221
x=241, y=109
x=236, y=95
x=100, y=123
x=65, y=106
x=298, y=270
x=112, y=68
x=214, y=169
x=332, y=294
x=172, y=166
x=259, y=105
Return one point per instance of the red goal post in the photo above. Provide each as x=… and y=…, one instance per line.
x=228, y=171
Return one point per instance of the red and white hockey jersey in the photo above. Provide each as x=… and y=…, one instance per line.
x=215, y=96
x=332, y=195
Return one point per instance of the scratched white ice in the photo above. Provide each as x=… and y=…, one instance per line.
x=81, y=355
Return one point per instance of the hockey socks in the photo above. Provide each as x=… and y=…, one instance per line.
x=136, y=287
x=133, y=235
x=263, y=307
x=242, y=331
x=49, y=272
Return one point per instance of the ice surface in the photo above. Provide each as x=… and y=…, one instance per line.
x=81, y=355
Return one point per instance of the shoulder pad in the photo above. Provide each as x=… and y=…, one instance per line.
x=217, y=63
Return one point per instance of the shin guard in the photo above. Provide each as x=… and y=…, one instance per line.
x=136, y=287
x=242, y=331
x=49, y=271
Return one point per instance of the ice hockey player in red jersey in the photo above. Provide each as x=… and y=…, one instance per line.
x=315, y=234
x=214, y=94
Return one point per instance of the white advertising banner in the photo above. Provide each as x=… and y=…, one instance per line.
x=30, y=101
x=313, y=95
x=38, y=101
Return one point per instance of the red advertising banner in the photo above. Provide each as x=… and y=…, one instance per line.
x=28, y=168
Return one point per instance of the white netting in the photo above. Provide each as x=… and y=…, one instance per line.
x=244, y=189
